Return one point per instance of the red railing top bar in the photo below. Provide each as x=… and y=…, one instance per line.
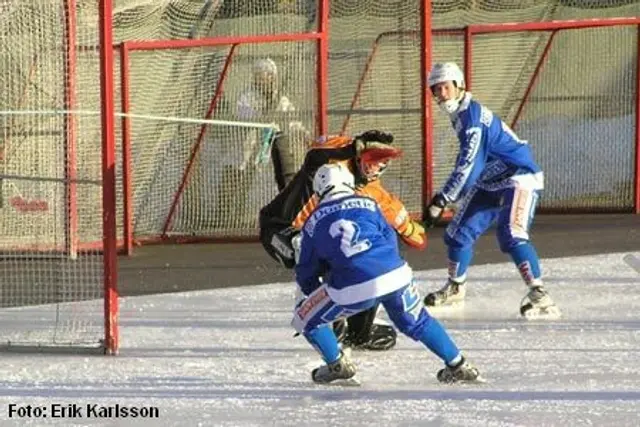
x=217, y=41
x=504, y=27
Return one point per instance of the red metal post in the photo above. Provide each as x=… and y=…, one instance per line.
x=218, y=41
x=198, y=143
x=70, y=145
x=636, y=202
x=552, y=25
x=534, y=79
x=322, y=65
x=468, y=57
x=127, y=187
x=108, y=178
x=425, y=94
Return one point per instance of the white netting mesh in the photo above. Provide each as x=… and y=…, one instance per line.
x=227, y=185
x=374, y=60
x=580, y=114
x=51, y=180
x=388, y=91
x=374, y=82
x=579, y=117
x=222, y=197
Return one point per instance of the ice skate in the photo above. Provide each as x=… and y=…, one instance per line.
x=340, y=372
x=462, y=372
x=537, y=304
x=452, y=294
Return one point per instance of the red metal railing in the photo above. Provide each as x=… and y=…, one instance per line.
x=110, y=260
x=126, y=48
x=554, y=27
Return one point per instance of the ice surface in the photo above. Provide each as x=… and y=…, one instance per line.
x=227, y=357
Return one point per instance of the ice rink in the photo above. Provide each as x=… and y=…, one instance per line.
x=227, y=357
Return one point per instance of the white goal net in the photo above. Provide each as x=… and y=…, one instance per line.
x=51, y=258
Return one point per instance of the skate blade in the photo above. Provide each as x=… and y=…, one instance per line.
x=349, y=382
x=548, y=313
x=445, y=308
x=479, y=380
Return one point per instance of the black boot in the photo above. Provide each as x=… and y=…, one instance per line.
x=363, y=334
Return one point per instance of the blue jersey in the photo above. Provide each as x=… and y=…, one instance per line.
x=490, y=152
x=351, y=246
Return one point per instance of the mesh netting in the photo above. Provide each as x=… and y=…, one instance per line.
x=230, y=179
x=374, y=82
x=579, y=114
x=51, y=181
x=583, y=94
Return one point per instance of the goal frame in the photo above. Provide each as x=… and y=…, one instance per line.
x=554, y=27
x=427, y=35
x=467, y=34
x=107, y=111
x=321, y=37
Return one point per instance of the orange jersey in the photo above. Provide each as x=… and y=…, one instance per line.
x=392, y=209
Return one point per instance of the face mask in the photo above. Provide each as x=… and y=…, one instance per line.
x=450, y=106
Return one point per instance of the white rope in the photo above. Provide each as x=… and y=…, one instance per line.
x=141, y=116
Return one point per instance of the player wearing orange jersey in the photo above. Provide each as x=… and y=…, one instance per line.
x=367, y=155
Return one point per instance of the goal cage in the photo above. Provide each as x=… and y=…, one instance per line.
x=122, y=122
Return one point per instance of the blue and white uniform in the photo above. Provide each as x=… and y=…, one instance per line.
x=495, y=179
x=349, y=262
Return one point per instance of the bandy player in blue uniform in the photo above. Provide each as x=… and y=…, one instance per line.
x=495, y=180
x=349, y=262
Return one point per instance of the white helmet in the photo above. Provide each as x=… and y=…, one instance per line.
x=447, y=72
x=266, y=66
x=332, y=179
x=444, y=72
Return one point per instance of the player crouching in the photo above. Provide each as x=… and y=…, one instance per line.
x=349, y=262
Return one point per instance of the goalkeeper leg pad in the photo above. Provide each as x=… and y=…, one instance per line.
x=364, y=334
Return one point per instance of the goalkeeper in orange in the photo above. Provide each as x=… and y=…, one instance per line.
x=367, y=155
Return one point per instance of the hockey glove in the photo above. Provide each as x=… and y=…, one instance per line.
x=434, y=210
x=414, y=235
x=282, y=246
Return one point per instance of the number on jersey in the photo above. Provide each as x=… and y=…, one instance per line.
x=349, y=233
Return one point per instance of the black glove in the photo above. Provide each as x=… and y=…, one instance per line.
x=434, y=210
x=281, y=246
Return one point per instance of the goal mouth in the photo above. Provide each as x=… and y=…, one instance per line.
x=199, y=167
x=31, y=323
x=210, y=189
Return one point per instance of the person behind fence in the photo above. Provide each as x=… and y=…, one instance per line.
x=495, y=180
x=263, y=102
x=368, y=155
x=349, y=262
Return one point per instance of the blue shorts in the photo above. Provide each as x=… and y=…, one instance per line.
x=404, y=307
